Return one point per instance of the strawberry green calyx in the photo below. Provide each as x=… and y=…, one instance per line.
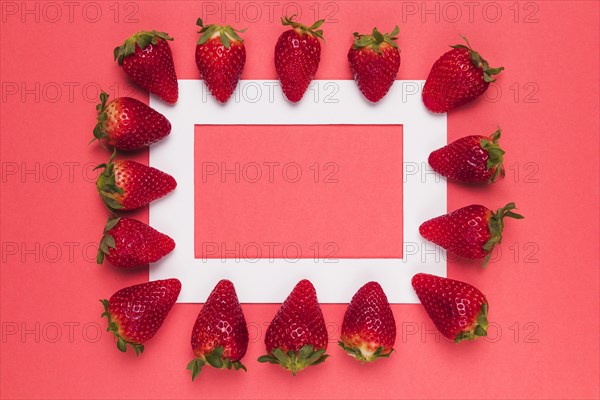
x=305, y=357
x=312, y=30
x=99, y=132
x=479, y=62
x=376, y=39
x=106, y=185
x=214, y=359
x=495, y=155
x=496, y=225
x=479, y=327
x=360, y=356
x=226, y=33
x=141, y=39
x=114, y=328
x=107, y=242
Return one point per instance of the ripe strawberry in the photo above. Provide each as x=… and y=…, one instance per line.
x=458, y=310
x=456, y=78
x=374, y=61
x=470, y=232
x=369, y=328
x=297, y=56
x=146, y=58
x=135, y=313
x=128, y=243
x=220, y=57
x=128, y=124
x=220, y=334
x=126, y=184
x=297, y=336
x=472, y=159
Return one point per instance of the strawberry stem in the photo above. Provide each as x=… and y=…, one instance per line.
x=107, y=242
x=141, y=39
x=495, y=155
x=99, y=132
x=106, y=185
x=226, y=33
x=295, y=361
x=376, y=39
x=496, y=225
x=311, y=30
x=114, y=328
x=479, y=62
x=358, y=354
x=214, y=359
x=479, y=327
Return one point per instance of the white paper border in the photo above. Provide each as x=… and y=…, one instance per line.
x=326, y=102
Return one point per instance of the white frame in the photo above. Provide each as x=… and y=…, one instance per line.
x=327, y=102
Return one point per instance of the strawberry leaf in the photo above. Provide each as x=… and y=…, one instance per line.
x=295, y=361
x=496, y=226
x=375, y=39
x=142, y=39
x=215, y=357
x=195, y=366
x=114, y=328
x=495, y=155
x=311, y=30
x=358, y=354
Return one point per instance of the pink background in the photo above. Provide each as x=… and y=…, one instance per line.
x=543, y=289
x=339, y=187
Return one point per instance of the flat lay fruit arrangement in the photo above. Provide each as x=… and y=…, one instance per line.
x=297, y=337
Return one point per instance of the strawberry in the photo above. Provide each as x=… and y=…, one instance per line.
x=472, y=159
x=374, y=60
x=220, y=57
x=456, y=78
x=135, y=313
x=128, y=124
x=297, y=336
x=470, y=232
x=458, y=310
x=220, y=334
x=126, y=184
x=369, y=328
x=146, y=58
x=128, y=243
x=297, y=56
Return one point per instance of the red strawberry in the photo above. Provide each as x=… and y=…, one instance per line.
x=458, y=310
x=135, y=313
x=220, y=334
x=457, y=77
x=297, y=56
x=128, y=124
x=369, y=328
x=374, y=61
x=297, y=336
x=472, y=159
x=220, y=57
x=128, y=243
x=146, y=58
x=126, y=184
x=470, y=232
